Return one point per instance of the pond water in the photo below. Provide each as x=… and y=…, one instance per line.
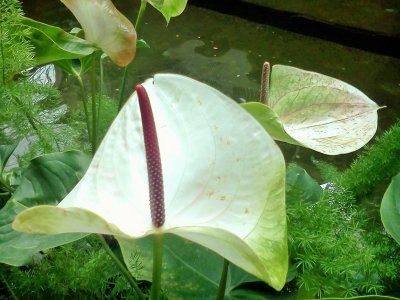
x=227, y=52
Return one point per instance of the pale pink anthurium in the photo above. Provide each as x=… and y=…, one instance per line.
x=105, y=27
x=222, y=174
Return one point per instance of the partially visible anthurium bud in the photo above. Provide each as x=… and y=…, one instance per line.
x=106, y=27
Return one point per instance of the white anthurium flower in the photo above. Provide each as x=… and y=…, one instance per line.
x=223, y=180
x=106, y=27
x=316, y=111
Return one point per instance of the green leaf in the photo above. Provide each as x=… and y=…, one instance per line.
x=301, y=186
x=46, y=180
x=142, y=44
x=216, y=194
x=317, y=111
x=52, y=43
x=77, y=66
x=270, y=121
x=189, y=270
x=5, y=152
x=371, y=297
x=169, y=8
x=390, y=209
x=245, y=293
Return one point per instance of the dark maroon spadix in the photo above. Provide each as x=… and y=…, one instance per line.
x=154, y=169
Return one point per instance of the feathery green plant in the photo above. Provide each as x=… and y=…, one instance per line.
x=78, y=270
x=334, y=248
x=15, y=51
x=377, y=164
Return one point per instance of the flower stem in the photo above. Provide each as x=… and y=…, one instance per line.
x=139, y=18
x=101, y=92
x=94, y=107
x=85, y=108
x=9, y=287
x=122, y=268
x=142, y=9
x=222, y=281
x=122, y=89
x=157, y=267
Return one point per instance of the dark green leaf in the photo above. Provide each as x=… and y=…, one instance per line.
x=76, y=66
x=372, y=297
x=245, y=293
x=46, y=180
x=390, y=209
x=52, y=43
x=5, y=153
x=190, y=271
x=301, y=186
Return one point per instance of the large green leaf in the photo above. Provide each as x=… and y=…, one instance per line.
x=46, y=180
x=189, y=270
x=316, y=111
x=52, y=43
x=368, y=297
x=223, y=180
x=5, y=152
x=169, y=8
x=390, y=209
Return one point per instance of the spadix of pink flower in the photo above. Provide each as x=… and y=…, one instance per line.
x=105, y=27
x=223, y=180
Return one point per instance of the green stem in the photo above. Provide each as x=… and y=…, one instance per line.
x=9, y=287
x=222, y=281
x=94, y=107
x=85, y=108
x=122, y=268
x=122, y=89
x=31, y=121
x=101, y=84
x=2, y=55
x=139, y=18
x=157, y=267
x=6, y=185
x=142, y=9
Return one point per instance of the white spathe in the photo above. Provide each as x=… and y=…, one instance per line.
x=223, y=180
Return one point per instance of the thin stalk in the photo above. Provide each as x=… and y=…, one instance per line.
x=9, y=287
x=6, y=185
x=122, y=89
x=142, y=9
x=85, y=108
x=101, y=84
x=122, y=268
x=222, y=281
x=94, y=107
x=157, y=267
x=2, y=55
x=31, y=121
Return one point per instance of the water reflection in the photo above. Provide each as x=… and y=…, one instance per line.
x=217, y=64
